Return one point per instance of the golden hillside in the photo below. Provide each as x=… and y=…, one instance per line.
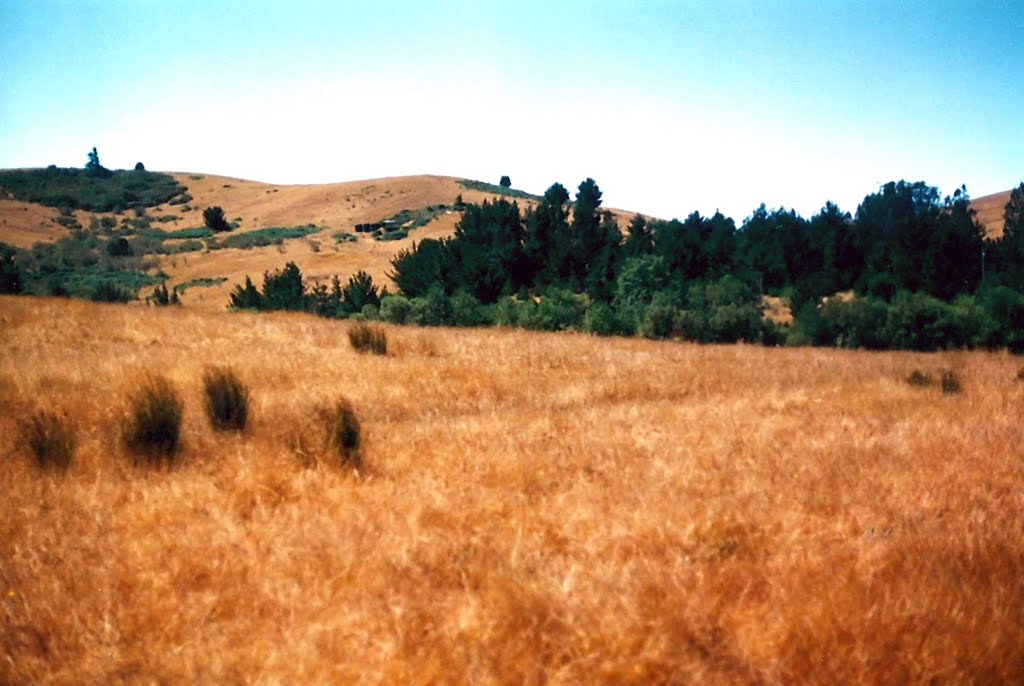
x=991, y=211
x=536, y=508
x=336, y=207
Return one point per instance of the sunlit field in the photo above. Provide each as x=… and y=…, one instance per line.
x=532, y=508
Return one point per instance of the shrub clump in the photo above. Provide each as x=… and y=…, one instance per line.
x=950, y=383
x=51, y=439
x=919, y=378
x=153, y=426
x=343, y=433
x=227, y=399
x=365, y=338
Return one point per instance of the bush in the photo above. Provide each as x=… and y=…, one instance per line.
x=110, y=292
x=214, y=218
x=950, y=383
x=10, y=272
x=602, y=320
x=153, y=425
x=365, y=338
x=558, y=310
x=468, y=311
x=395, y=309
x=919, y=379
x=343, y=433
x=50, y=438
x=227, y=399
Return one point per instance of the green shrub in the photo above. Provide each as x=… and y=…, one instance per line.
x=152, y=428
x=344, y=433
x=215, y=220
x=558, y=310
x=468, y=311
x=661, y=318
x=395, y=309
x=365, y=338
x=602, y=320
x=51, y=439
x=263, y=237
x=110, y=292
x=227, y=399
x=506, y=311
x=94, y=192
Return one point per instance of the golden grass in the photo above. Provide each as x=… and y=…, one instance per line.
x=534, y=508
x=991, y=211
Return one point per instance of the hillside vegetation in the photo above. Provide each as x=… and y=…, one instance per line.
x=532, y=508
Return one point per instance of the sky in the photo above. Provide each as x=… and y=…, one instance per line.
x=671, y=107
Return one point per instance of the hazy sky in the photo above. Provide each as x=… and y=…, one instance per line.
x=670, y=106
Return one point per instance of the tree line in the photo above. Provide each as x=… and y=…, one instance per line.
x=916, y=268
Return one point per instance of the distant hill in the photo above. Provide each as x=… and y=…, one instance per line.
x=990, y=211
x=333, y=209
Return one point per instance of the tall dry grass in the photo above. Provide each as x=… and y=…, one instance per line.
x=537, y=509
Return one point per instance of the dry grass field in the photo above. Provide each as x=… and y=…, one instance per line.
x=534, y=508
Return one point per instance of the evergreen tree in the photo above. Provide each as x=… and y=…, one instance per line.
x=246, y=297
x=546, y=246
x=414, y=270
x=639, y=239
x=1010, y=250
x=284, y=290
x=954, y=252
x=359, y=292
x=214, y=219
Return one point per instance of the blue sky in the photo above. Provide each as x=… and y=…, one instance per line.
x=670, y=106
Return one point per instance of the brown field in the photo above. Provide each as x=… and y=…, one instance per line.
x=535, y=508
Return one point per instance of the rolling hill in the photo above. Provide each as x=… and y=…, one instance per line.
x=333, y=208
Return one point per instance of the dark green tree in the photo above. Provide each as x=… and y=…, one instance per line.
x=10, y=273
x=546, y=245
x=414, y=270
x=214, y=219
x=284, y=289
x=359, y=292
x=639, y=239
x=954, y=255
x=1010, y=248
x=246, y=297
x=487, y=251
x=505, y=182
x=895, y=228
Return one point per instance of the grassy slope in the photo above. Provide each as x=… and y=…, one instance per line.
x=338, y=207
x=991, y=210
x=539, y=509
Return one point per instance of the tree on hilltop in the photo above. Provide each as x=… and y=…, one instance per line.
x=505, y=182
x=93, y=166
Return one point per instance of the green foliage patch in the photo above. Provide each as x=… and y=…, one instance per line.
x=88, y=190
x=260, y=238
x=497, y=189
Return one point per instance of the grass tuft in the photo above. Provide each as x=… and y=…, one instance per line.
x=152, y=429
x=51, y=439
x=365, y=338
x=919, y=378
x=950, y=383
x=227, y=399
x=343, y=432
